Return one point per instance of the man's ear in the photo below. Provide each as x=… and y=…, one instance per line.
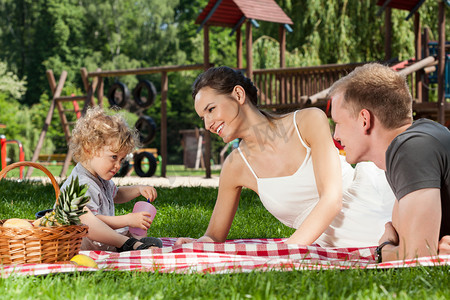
x=239, y=94
x=367, y=120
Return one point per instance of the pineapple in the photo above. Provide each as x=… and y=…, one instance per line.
x=69, y=208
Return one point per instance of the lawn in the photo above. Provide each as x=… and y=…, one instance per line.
x=171, y=171
x=185, y=212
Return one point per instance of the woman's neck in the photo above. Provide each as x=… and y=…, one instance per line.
x=261, y=133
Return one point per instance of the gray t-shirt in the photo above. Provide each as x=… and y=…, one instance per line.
x=102, y=192
x=419, y=158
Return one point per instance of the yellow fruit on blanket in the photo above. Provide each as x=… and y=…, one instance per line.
x=83, y=260
x=14, y=223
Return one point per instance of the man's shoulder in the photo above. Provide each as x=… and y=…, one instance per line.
x=423, y=132
x=428, y=127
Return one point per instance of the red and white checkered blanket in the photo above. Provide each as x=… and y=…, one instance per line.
x=243, y=255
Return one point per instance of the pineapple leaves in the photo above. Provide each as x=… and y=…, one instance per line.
x=70, y=206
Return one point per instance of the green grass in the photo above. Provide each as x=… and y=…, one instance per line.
x=186, y=212
x=171, y=171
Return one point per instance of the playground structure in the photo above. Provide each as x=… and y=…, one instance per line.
x=97, y=86
x=3, y=143
x=281, y=89
x=296, y=88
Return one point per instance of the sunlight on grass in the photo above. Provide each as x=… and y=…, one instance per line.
x=171, y=171
x=186, y=212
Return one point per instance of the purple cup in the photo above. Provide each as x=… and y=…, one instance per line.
x=143, y=206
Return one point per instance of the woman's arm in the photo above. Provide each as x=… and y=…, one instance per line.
x=315, y=131
x=226, y=203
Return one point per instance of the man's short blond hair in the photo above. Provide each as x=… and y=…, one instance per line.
x=378, y=89
x=97, y=129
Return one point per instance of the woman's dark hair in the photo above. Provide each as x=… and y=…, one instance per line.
x=223, y=80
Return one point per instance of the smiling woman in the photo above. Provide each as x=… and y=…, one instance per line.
x=291, y=162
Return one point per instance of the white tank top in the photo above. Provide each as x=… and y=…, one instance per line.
x=290, y=199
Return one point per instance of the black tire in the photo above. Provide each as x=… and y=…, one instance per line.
x=118, y=94
x=124, y=169
x=147, y=129
x=138, y=159
x=144, y=101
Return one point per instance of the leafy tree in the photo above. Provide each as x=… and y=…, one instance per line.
x=36, y=35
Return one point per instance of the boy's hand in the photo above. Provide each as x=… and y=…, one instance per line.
x=140, y=220
x=148, y=192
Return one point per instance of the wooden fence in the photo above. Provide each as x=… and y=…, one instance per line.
x=292, y=87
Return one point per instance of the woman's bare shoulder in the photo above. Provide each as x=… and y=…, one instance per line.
x=310, y=113
x=233, y=162
x=234, y=171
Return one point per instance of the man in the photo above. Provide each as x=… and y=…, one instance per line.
x=372, y=109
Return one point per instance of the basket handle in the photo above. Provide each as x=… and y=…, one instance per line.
x=34, y=165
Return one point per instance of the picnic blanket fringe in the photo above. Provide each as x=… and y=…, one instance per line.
x=233, y=256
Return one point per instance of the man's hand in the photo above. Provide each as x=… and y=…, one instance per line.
x=390, y=234
x=444, y=245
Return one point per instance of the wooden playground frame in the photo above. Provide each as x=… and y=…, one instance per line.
x=96, y=86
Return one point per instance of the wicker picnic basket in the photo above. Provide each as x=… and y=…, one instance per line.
x=39, y=244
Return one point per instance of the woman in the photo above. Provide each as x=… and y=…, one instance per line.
x=291, y=162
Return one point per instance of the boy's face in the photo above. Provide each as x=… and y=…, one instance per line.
x=105, y=164
x=348, y=130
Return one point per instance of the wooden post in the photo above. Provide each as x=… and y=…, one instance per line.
x=282, y=33
x=249, y=44
x=56, y=90
x=91, y=92
x=206, y=47
x=239, y=48
x=441, y=64
x=100, y=92
x=283, y=89
x=84, y=78
x=67, y=162
x=418, y=44
x=164, y=91
x=207, y=156
x=425, y=81
x=387, y=33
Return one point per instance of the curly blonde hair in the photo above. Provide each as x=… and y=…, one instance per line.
x=96, y=130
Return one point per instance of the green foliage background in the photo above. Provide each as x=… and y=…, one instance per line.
x=37, y=35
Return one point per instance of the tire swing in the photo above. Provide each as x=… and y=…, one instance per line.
x=118, y=94
x=138, y=162
x=124, y=169
x=144, y=93
x=147, y=129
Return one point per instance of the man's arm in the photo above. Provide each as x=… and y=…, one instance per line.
x=416, y=219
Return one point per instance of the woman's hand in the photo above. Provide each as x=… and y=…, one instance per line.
x=140, y=219
x=186, y=240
